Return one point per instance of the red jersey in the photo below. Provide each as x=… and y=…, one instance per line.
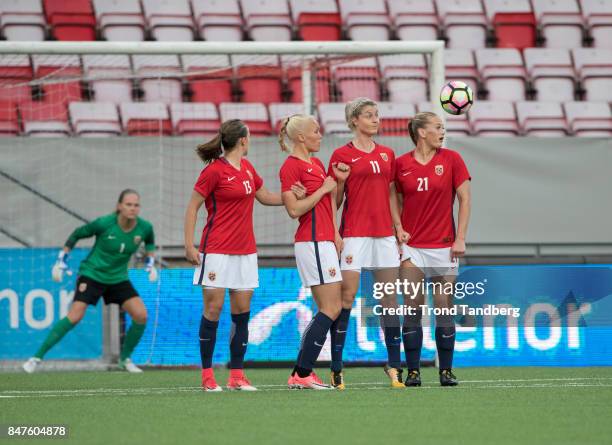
x=366, y=209
x=229, y=194
x=318, y=223
x=428, y=195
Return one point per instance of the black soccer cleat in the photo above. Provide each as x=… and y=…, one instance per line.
x=447, y=378
x=413, y=378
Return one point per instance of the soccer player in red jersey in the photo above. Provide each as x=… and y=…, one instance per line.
x=227, y=257
x=317, y=240
x=428, y=179
x=370, y=219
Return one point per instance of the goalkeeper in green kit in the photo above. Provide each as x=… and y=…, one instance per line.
x=104, y=273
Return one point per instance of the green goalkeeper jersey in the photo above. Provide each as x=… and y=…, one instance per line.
x=108, y=260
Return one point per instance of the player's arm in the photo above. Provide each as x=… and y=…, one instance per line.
x=464, y=197
x=401, y=235
x=338, y=241
x=268, y=198
x=297, y=207
x=341, y=172
x=61, y=264
x=191, y=215
x=150, y=268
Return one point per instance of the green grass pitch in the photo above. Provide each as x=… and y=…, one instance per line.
x=491, y=406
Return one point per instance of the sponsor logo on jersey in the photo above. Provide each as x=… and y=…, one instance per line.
x=384, y=157
x=348, y=259
x=137, y=239
x=212, y=276
x=439, y=169
x=407, y=173
x=355, y=159
x=309, y=170
x=332, y=272
x=82, y=287
x=111, y=237
x=229, y=178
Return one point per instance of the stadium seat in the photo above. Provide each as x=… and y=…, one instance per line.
x=267, y=20
x=455, y=125
x=394, y=118
x=594, y=67
x=491, y=118
x=44, y=120
x=254, y=115
x=145, y=119
x=210, y=77
x=195, y=119
x=120, y=20
x=292, y=66
x=109, y=77
x=169, y=20
x=9, y=122
x=551, y=73
x=15, y=73
x=405, y=77
x=560, y=23
x=94, y=119
x=357, y=78
x=542, y=119
x=72, y=20
x=281, y=111
x=513, y=22
x=598, y=18
x=316, y=19
x=259, y=77
x=461, y=65
x=166, y=88
x=22, y=20
x=218, y=20
x=589, y=118
x=365, y=19
x=414, y=19
x=464, y=22
x=503, y=73
x=332, y=119
x=51, y=66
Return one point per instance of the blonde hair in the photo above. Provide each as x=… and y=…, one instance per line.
x=354, y=108
x=290, y=127
x=419, y=121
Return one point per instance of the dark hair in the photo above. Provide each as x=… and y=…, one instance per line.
x=123, y=194
x=225, y=140
x=419, y=121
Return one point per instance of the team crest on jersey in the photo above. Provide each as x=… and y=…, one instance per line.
x=212, y=276
x=82, y=287
x=137, y=239
x=250, y=174
x=439, y=169
x=385, y=157
x=332, y=272
x=348, y=259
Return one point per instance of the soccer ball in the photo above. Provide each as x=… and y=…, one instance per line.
x=456, y=97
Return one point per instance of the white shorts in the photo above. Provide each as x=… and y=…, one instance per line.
x=433, y=262
x=317, y=263
x=369, y=253
x=227, y=271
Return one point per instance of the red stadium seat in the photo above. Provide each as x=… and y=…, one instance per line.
x=560, y=22
x=120, y=20
x=503, y=73
x=598, y=18
x=492, y=118
x=22, y=20
x=542, y=119
x=405, y=77
x=267, y=20
x=357, y=78
x=394, y=118
x=259, y=78
x=254, y=115
x=195, y=119
x=414, y=19
x=293, y=70
x=110, y=77
x=15, y=73
x=513, y=22
x=59, y=67
x=552, y=73
x=279, y=112
x=589, y=118
x=210, y=77
x=44, y=119
x=72, y=20
x=9, y=123
x=218, y=20
x=317, y=19
x=464, y=22
x=146, y=119
x=365, y=20
x=94, y=119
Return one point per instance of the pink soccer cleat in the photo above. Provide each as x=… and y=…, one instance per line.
x=310, y=382
x=238, y=382
x=209, y=384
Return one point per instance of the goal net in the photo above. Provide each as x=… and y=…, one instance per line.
x=82, y=121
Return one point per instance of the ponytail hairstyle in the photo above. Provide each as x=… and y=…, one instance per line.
x=225, y=140
x=353, y=109
x=419, y=121
x=290, y=127
x=123, y=194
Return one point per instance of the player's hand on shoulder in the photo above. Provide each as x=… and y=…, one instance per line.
x=192, y=255
x=60, y=267
x=329, y=184
x=299, y=190
x=341, y=170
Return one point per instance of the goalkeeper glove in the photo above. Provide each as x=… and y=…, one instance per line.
x=60, y=266
x=150, y=268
